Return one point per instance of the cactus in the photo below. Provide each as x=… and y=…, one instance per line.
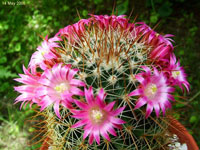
x=93, y=81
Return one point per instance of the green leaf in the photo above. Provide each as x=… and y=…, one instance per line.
x=154, y=17
x=85, y=13
x=165, y=10
x=98, y=1
x=6, y=73
x=193, y=119
x=65, y=8
x=179, y=105
x=3, y=60
x=122, y=8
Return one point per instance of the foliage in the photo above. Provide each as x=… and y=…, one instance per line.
x=22, y=25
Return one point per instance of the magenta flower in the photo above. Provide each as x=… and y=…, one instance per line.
x=45, y=54
x=105, y=21
x=28, y=90
x=71, y=32
x=97, y=116
x=177, y=74
x=161, y=45
x=153, y=91
x=58, y=86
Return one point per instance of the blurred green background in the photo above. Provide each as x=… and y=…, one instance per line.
x=22, y=23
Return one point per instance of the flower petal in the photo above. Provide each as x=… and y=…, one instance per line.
x=117, y=120
x=148, y=110
x=96, y=135
x=56, y=109
x=79, y=124
x=110, y=106
x=135, y=92
x=77, y=82
x=141, y=101
x=105, y=134
x=91, y=139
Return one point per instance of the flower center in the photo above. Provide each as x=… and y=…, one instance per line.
x=96, y=116
x=62, y=87
x=175, y=74
x=151, y=90
x=43, y=53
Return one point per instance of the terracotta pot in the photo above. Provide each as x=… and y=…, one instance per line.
x=182, y=133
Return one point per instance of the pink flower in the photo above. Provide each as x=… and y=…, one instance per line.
x=97, y=116
x=72, y=32
x=177, y=74
x=161, y=45
x=76, y=31
x=105, y=21
x=153, y=91
x=58, y=86
x=28, y=90
x=45, y=54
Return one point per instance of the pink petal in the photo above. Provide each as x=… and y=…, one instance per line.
x=76, y=91
x=100, y=98
x=77, y=82
x=110, y=106
x=118, y=111
x=24, y=96
x=112, y=131
x=187, y=86
x=44, y=81
x=24, y=88
x=56, y=109
x=81, y=104
x=64, y=72
x=105, y=134
x=162, y=106
x=42, y=90
x=171, y=89
x=135, y=92
x=71, y=73
x=146, y=69
x=148, y=110
x=56, y=72
x=86, y=133
x=91, y=138
x=140, y=79
x=172, y=59
x=157, y=109
x=155, y=71
x=170, y=97
x=46, y=101
x=140, y=103
x=67, y=96
x=116, y=120
x=22, y=105
x=80, y=115
x=89, y=95
x=79, y=124
x=67, y=104
x=96, y=135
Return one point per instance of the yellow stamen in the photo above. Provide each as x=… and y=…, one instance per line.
x=151, y=90
x=96, y=115
x=61, y=87
x=175, y=74
x=43, y=53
